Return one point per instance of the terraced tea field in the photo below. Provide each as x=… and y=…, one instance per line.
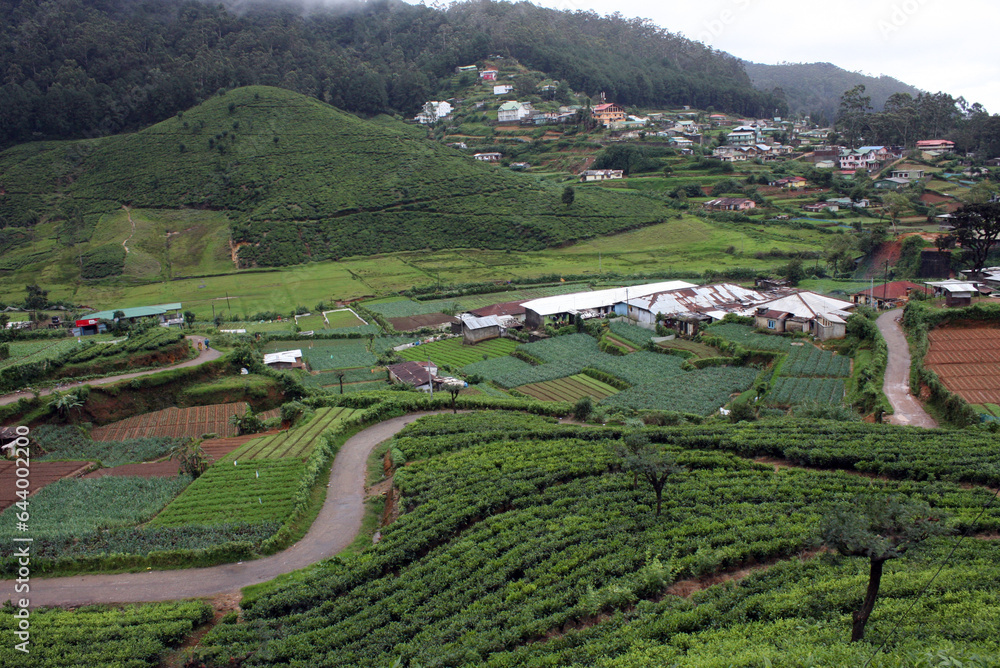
x=297, y=442
x=569, y=389
x=455, y=353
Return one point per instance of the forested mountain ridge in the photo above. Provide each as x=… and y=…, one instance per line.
x=299, y=181
x=87, y=68
x=816, y=88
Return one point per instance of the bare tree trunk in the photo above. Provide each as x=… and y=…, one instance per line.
x=861, y=616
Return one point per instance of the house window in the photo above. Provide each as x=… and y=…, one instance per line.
x=771, y=324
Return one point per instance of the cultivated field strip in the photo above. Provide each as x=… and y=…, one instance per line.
x=294, y=442
x=570, y=389
x=455, y=353
x=42, y=474
x=178, y=423
x=967, y=361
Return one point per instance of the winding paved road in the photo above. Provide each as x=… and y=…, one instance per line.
x=335, y=527
x=205, y=355
x=907, y=410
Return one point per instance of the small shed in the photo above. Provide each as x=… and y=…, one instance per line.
x=420, y=375
x=286, y=359
x=956, y=293
x=476, y=329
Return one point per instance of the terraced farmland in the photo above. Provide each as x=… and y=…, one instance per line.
x=297, y=442
x=967, y=361
x=249, y=491
x=788, y=391
x=177, y=423
x=811, y=362
x=569, y=389
x=454, y=353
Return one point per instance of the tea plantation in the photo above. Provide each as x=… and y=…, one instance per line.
x=523, y=543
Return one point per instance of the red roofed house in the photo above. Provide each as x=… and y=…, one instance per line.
x=608, y=113
x=889, y=295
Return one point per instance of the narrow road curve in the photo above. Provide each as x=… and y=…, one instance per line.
x=206, y=355
x=907, y=410
x=338, y=522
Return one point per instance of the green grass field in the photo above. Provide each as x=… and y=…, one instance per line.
x=308, y=323
x=454, y=353
x=342, y=318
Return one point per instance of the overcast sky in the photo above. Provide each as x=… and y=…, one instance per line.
x=935, y=45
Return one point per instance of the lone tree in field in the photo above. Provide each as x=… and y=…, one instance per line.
x=879, y=528
x=645, y=459
x=453, y=389
x=189, y=318
x=191, y=457
x=976, y=229
x=569, y=195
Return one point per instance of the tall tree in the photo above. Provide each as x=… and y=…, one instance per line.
x=976, y=229
x=854, y=109
x=878, y=528
x=648, y=461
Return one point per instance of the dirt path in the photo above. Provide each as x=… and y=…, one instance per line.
x=334, y=529
x=128, y=212
x=907, y=410
x=204, y=356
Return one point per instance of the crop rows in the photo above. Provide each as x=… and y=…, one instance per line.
x=175, y=423
x=297, y=442
x=569, y=389
x=750, y=338
x=637, y=336
x=658, y=380
x=810, y=361
x=787, y=391
x=77, y=506
x=402, y=308
x=36, y=351
x=71, y=443
x=251, y=490
x=454, y=352
x=338, y=354
x=133, y=636
x=503, y=543
x=701, y=392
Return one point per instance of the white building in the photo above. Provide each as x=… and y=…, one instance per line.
x=685, y=307
x=502, y=89
x=433, y=111
x=513, y=112
x=592, y=304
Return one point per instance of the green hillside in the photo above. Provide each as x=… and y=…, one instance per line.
x=298, y=179
x=815, y=88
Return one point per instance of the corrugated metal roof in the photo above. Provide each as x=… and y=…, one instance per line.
x=136, y=311
x=699, y=299
x=581, y=301
x=287, y=356
x=472, y=322
x=807, y=305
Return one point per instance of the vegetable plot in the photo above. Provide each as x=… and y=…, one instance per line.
x=454, y=352
x=297, y=442
x=569, y=389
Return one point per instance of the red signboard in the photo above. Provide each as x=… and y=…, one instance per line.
x=89, y=322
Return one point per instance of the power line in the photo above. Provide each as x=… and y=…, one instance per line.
x=927, y=586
